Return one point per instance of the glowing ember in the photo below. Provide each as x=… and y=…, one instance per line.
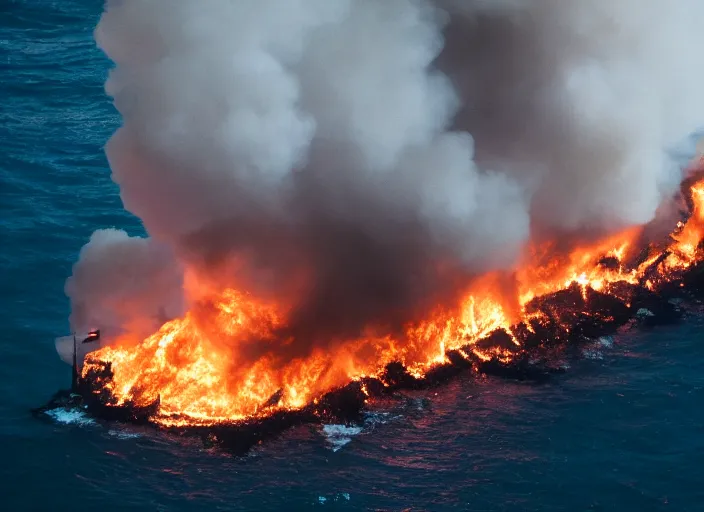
x=200, y=381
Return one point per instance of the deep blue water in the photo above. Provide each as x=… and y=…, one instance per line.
x=622, y=430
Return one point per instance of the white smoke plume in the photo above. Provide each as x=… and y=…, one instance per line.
x=343, y=152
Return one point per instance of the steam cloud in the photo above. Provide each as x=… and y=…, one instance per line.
x=356, y=156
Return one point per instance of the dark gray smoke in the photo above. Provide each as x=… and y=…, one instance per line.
x=360, y=158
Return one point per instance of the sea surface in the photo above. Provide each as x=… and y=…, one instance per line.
x=622, y=430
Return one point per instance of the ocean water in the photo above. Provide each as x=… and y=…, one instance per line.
x=622, y=430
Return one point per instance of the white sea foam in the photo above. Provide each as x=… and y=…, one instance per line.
x=339, y=435
x=70, y=416
x=606, y=341
x=122, y=434
x=593, y=354
x=338, y=497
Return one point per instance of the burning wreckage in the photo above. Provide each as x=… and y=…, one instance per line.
x=595, y=292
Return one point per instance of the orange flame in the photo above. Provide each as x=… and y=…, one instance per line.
x=200, y=380
x=688, y=235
